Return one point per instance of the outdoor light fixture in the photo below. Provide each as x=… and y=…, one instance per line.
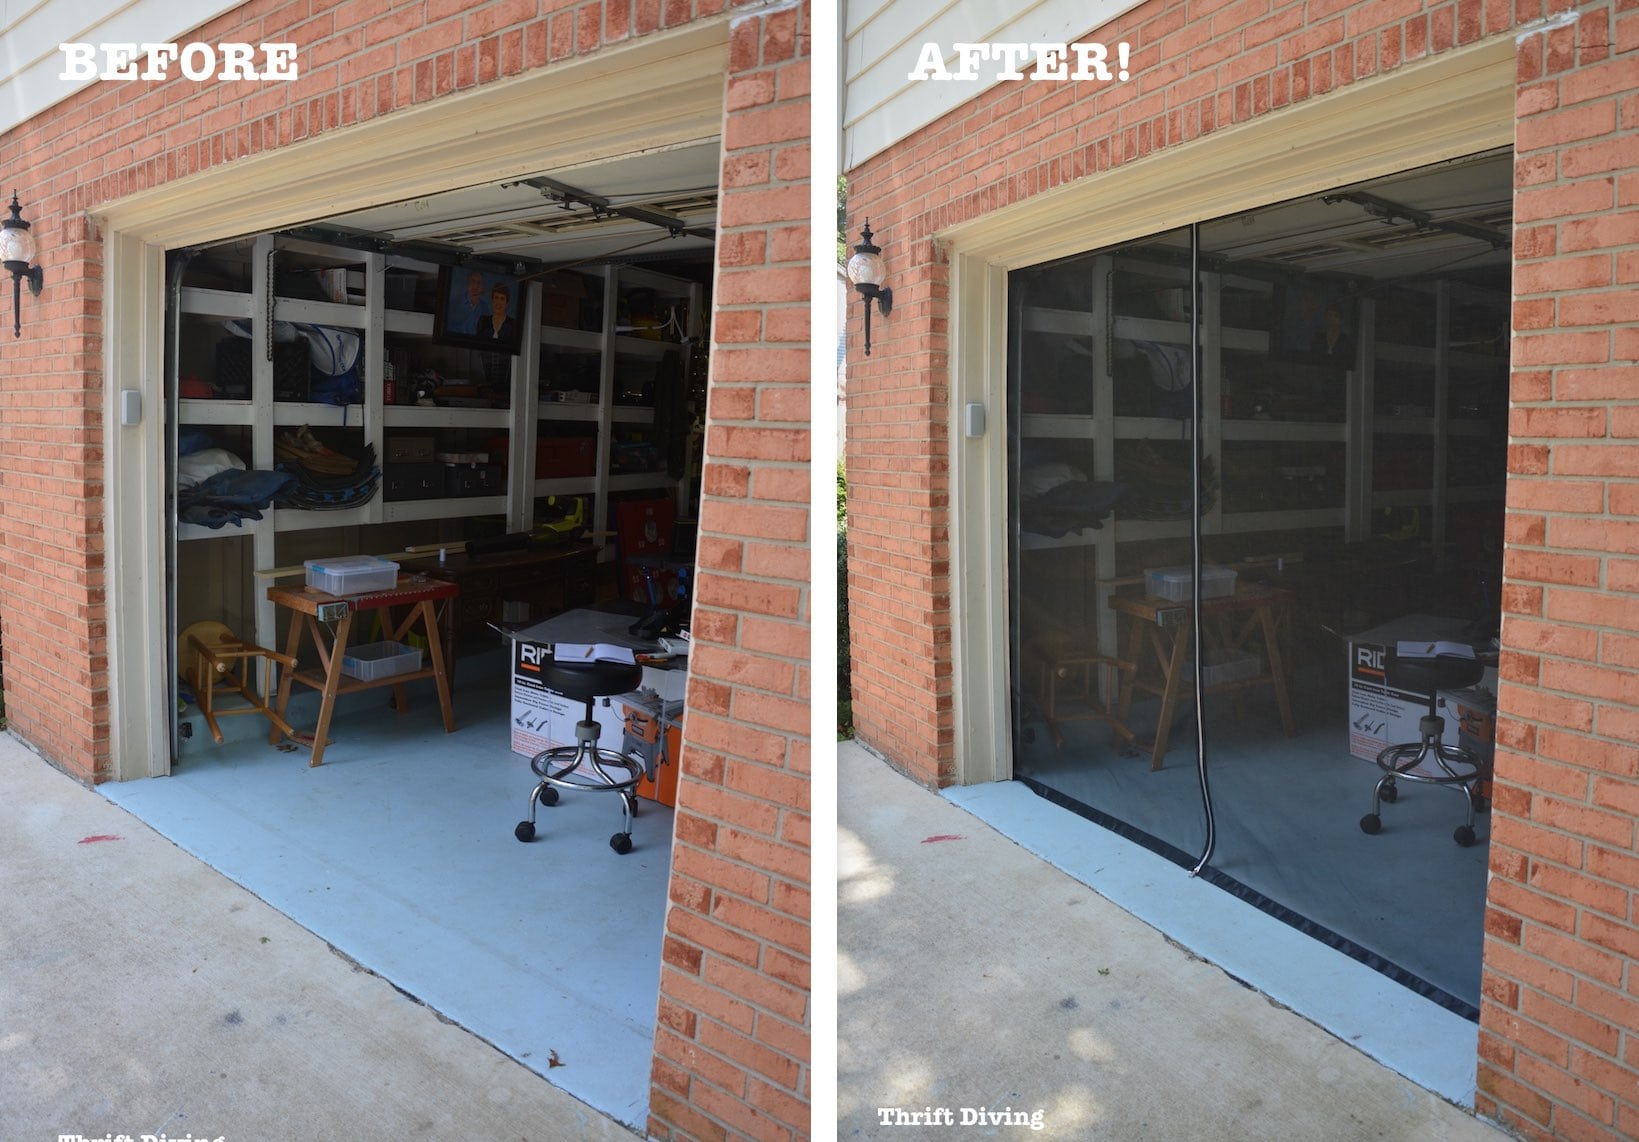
x=17, y=255
x=866, y=271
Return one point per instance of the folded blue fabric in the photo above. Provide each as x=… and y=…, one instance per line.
x=190, y=439
x=238, y=487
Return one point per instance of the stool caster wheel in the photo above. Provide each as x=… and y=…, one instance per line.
x=1371, y=824
x=621, y=843
x=1464, y=836
x=549, y=796
x=525, y=831
x=1389, y=795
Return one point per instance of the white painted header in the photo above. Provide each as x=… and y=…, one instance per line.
x=31, y=30
x=882, y=42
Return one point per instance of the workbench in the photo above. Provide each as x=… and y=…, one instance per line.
x=312, y=611
x=1166, y=629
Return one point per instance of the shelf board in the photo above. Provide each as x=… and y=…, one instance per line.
x=1123, y=531
x=215, y=302
x=1057, y=426
x=643, y=346
x=1230, y=523
x=189, y=532
x=319, y=312
x=564, y=486
x=1296, y=519
x=407, y=321
x=640, y=481
x=620, y=413
x=1284, y=430
x=454, y=507
x=1150, y=428
x=1065, y=322
x=571, y=338
x=214, y=411
x=418, y=416
x=1079, y=426
x=1154, y=329
x=325, y=415
x=280, y=519
x=296, y=519
x=567, y=410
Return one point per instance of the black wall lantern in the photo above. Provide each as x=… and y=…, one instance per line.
x=867, y=272
x=17, y=255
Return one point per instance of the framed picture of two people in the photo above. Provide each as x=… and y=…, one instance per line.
x=479, y=309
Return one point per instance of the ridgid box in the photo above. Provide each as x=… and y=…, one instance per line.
x=1381, y=716
x=542, y=719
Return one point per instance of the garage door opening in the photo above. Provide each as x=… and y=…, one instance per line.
x=1322, y=384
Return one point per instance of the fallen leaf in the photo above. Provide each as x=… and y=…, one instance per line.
x=552, y=1060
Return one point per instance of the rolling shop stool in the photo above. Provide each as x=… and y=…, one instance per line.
x=1459, y=768
x=583, y=766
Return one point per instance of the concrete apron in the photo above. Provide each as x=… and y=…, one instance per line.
x=142, y=992
x=980, y=986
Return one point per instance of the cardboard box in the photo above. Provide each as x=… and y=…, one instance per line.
x=1381, y=716
x=409, y=450
x=542, y=719
x=561, y=296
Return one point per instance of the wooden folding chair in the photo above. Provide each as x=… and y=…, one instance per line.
x=213, y=659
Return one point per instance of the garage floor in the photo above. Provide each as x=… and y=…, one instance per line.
x=399, y=851
x=1287, y=814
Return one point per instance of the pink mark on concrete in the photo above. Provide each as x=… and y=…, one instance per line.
x=942, y=837
x=99, y=837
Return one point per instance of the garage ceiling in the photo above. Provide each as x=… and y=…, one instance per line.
x=533, y=218
x=1454, y=217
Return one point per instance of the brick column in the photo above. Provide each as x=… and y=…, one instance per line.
x=1559, y=1056
x=731, y=1042
x=898, y=469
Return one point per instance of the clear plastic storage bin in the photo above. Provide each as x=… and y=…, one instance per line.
x=376, y=660
x=352, y=574
x=1232, y=666
x=1175, y=583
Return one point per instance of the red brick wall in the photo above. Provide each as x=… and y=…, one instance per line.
x=731, y=1050
x=357, y=60
x=1557, y=1054
x=898, y=470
